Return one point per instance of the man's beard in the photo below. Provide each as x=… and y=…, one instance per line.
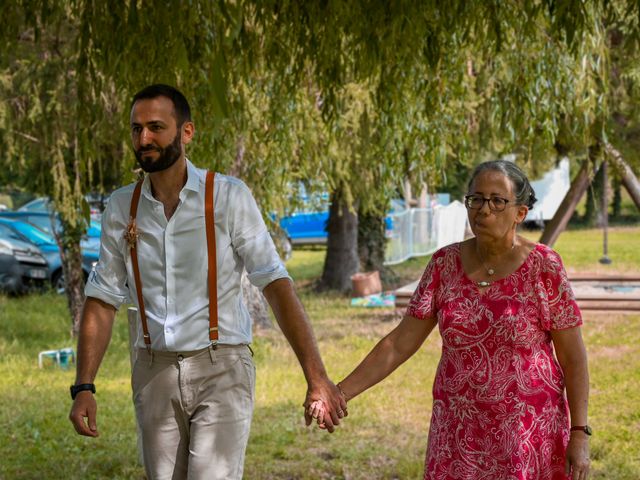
x=167, y=156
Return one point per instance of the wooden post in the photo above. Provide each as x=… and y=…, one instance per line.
x=605, y=260
x=132, y=317
x=562, y=216
x=629, y=180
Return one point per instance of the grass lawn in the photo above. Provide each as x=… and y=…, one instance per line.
x=383, y=438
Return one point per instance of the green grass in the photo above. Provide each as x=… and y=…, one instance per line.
x=582, y=248
x=383, y=438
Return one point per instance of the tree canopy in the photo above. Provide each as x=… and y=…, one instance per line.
x=356, y=95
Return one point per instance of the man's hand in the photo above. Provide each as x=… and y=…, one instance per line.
x=335, y=405
x=577, y=456
x=84, y=406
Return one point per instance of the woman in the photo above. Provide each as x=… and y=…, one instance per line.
x=502, y=304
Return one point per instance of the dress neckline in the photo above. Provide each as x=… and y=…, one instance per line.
x=480, y=289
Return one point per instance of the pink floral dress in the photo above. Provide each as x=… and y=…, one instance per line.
x=499, y=410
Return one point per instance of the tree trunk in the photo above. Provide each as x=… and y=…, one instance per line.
x=593, y=215
x=71, y=256
x=371, y=241
x=561, y=218
x=251, y=295
x=616, y=203
x=629, y=180
x=341, y=260
x=256, y=304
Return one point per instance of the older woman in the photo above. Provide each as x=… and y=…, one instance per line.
x=502, y=304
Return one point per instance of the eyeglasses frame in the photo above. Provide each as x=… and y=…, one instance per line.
x=487, y=200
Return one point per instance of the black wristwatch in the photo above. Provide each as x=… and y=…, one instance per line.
x=75, y=389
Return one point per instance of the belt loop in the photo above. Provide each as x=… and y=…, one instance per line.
x=150, y=352
x=251, y=350
x=212, y=353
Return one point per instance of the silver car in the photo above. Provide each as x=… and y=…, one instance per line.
x=22, y=266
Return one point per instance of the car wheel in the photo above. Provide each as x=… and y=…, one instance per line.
x=58, y=282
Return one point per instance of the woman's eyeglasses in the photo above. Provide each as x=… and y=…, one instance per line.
x=476, y=202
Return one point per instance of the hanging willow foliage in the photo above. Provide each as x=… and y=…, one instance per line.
x=358, y=93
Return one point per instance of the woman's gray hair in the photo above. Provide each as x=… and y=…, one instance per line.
x=521, y=186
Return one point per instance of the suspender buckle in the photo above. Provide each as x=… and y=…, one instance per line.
x=147, y=342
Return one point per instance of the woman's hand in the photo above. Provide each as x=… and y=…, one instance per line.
x=317, y=411
x=577, y=456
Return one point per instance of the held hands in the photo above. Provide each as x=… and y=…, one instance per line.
x=577, y=456
x=84, y=406
x=326, y=405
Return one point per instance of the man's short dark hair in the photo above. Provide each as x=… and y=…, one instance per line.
x=180, y=104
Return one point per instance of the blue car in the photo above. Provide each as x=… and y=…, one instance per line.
x=90, y=241
x=50, y=250
x=308, y=224
x=96, y=202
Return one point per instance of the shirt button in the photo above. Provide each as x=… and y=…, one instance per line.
x=170, y=301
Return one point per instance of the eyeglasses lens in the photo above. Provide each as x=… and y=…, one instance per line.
x=476, y=202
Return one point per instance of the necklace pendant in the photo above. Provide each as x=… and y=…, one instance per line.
x=483, y=283
x=490, y=271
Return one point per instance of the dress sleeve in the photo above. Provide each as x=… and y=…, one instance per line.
x=559, y=307
x=422, y=303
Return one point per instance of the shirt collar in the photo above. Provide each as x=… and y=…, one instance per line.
x=194, y=180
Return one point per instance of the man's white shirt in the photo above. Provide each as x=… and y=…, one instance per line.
x=172, y=256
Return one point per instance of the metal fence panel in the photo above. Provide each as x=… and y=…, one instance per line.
x=421, y=231
x=411, y=235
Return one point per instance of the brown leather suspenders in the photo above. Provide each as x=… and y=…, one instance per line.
x=211, y=254
x=134, y=260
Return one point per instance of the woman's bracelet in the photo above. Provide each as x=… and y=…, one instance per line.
x=346, y=397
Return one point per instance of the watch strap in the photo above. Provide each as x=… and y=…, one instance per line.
x=582, y=428
x=75, y=389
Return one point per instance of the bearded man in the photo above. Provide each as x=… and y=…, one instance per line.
x=194, y=378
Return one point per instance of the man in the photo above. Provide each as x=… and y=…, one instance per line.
x=193, y=380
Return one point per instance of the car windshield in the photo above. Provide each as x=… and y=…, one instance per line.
x=34, y=234
x=37, y=205
x=43, y=222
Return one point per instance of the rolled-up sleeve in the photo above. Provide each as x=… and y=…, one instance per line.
x=252, y=241
x=108, y=281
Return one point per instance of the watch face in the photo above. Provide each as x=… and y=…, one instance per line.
x=588, y=430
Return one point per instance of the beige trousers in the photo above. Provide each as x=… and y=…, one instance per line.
x=194, y=411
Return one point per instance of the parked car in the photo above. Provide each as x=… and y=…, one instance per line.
x=22, y=265
x=97, y=202
x=50, y=250
x=308, y=224
x=42, y=220
x=40, y=204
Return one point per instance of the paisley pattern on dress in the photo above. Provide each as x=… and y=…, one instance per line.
x=499, y=409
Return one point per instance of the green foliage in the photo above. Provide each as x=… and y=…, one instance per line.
x=356, y=95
